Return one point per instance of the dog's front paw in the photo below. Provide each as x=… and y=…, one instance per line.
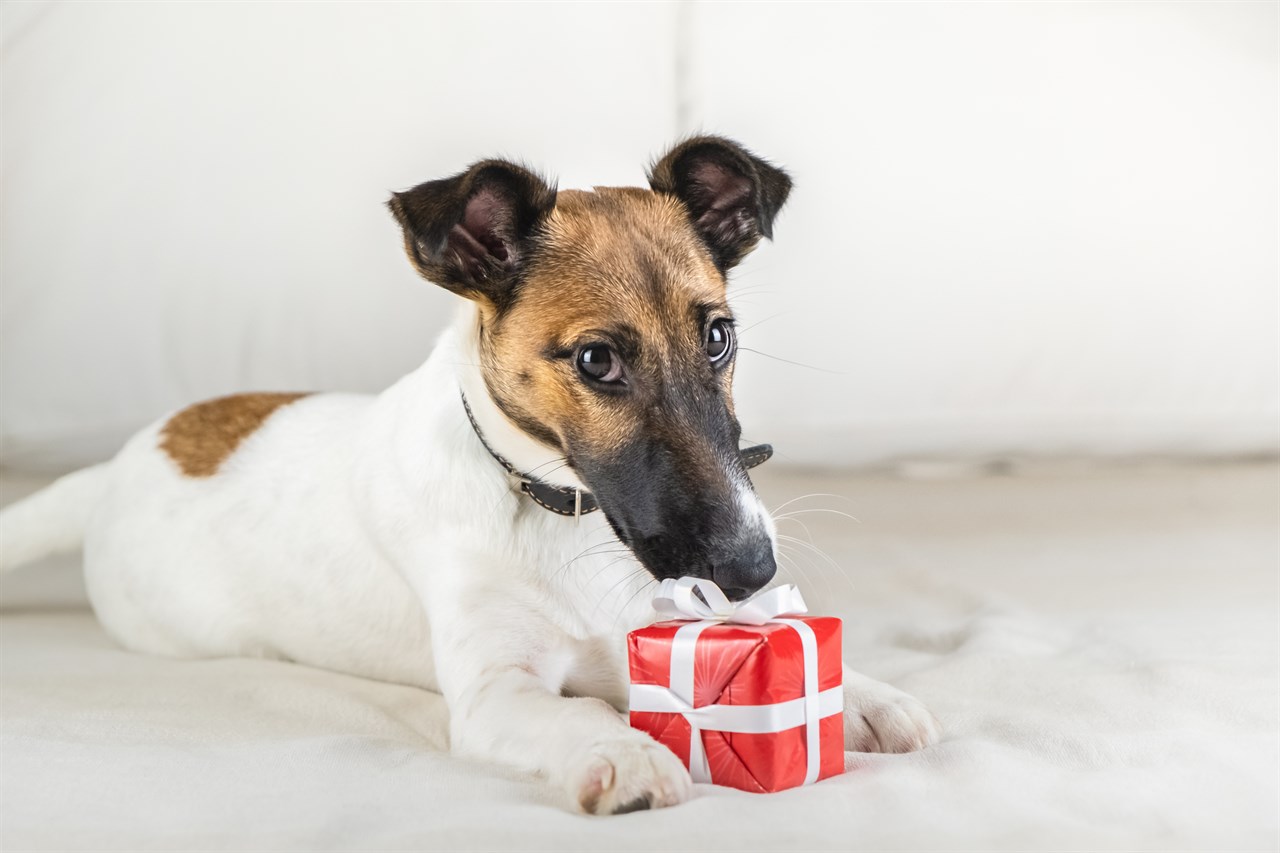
x=627, y=775
x=881, y=718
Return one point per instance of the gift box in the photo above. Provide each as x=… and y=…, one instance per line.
x=748, y=696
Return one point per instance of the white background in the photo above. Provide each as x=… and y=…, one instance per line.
x=1019, y=229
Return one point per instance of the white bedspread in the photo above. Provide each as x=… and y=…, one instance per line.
x=1101, y=647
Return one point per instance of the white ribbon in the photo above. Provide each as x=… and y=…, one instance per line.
x=676, y=599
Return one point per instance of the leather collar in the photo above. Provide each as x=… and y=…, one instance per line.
x=566, y=500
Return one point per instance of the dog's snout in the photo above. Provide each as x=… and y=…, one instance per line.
x=745, y=572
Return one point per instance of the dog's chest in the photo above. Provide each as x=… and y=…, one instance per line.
x=591, y=583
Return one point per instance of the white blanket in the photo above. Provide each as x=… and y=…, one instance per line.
x=1101, y=647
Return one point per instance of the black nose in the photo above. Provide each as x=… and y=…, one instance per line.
x=745, y=572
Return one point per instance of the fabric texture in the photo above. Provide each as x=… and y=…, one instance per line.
x=1100, y=646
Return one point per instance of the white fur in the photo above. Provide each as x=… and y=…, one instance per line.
x=52, y=520
x=375, y=536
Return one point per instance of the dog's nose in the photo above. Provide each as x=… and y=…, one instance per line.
x=746, y=572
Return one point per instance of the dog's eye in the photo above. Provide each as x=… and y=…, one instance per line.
x=719, y=341
x=599, y=363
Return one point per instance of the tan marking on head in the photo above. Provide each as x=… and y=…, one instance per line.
x=201, y=437
x=616, y=257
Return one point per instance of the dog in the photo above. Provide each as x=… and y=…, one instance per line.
x=489, y=525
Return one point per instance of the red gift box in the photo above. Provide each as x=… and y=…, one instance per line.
x=764, y=698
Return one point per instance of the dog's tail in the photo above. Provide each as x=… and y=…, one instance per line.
x=52, y=520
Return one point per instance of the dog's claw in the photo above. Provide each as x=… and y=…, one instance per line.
x=628, y=775
x=639, y=804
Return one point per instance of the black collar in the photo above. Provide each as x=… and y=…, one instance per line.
x=565, y=500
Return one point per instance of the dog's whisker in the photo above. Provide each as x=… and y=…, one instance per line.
x=594, y=550
x=545, y=474
x=796, y=512
x=811, y=552
x=619, y=582
x=649, y=581
x=605, y=553
x=794, y=565
x=795, y=569
x=750, y=289
x=786, y=504
x=758, y=322
x=810, y=546
x=788, y=565
x=794, y=363
x=493, y=510
x=827, y=558
x=819, y=570
x=591, y=551
x=560, y=460
x=608, y=566
x=795, y=520
x=627, y=604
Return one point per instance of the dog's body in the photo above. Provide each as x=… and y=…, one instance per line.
x=378, y=535
x=227, y=565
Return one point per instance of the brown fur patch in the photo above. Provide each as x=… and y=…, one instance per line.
x=617, y=263
x=201, y=437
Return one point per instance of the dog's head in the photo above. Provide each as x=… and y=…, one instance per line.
x=606, y=334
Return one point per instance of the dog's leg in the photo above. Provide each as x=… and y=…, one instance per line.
x=881, y=718
x=501, y=670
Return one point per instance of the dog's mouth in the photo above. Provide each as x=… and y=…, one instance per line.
x=679, y=528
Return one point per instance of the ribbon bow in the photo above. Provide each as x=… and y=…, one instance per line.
x=678, y=599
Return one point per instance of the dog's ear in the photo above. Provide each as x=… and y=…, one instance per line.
x=470, y=233
x=732, y=195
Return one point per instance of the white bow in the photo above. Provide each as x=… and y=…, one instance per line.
x=675, y=599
